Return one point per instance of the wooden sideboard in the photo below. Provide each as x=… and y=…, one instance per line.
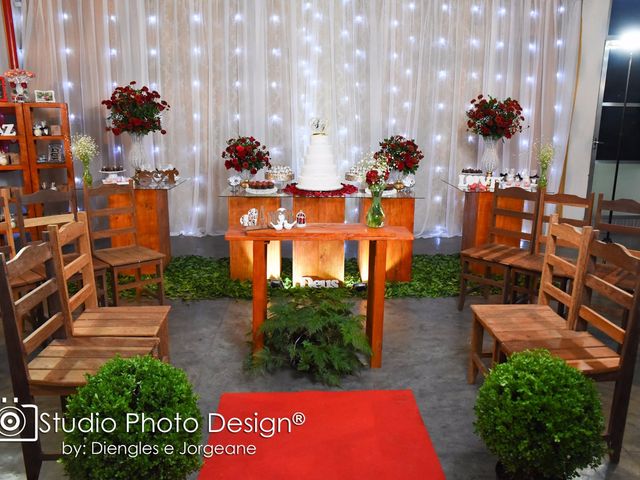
x=477, y=215
x=399, y=212
x=324, y=260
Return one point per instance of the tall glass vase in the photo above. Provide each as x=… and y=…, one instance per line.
x=375, y=215
x=137, y=156
x=490, y=160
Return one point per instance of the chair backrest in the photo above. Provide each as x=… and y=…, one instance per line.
x=81, y=263
x=555, y=265
x=512, y=207
x=111, y=221
x=623, y=205
x=8, y=246
x=20, y=345
x=49, y=206
x=595, y=314
x=559, y=201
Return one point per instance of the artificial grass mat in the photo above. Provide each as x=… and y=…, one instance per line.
x=203, y=278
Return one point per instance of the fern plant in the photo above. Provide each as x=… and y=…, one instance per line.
x=314, y=332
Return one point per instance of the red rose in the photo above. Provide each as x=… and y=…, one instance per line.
x=240, y=150
x=245, y=165
x=253, y=171
x=227, y=164
x=23, y=84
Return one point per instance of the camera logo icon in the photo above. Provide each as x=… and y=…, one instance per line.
x=13, y=421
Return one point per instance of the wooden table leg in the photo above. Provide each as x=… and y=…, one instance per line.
x=375, y=299
x=259, y=291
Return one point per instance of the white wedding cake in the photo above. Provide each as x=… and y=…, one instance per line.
x=320, y=171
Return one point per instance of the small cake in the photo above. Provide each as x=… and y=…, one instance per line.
x=358, y=172
x=279, y=173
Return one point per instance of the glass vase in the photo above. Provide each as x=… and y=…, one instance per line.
x=489, y=161
x=247, y=177
x=20, y=85
x=137, y=156
x=87, y=178
x=375, y=215
x=543, y=180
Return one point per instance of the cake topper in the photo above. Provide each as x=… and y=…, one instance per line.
x=318, y=126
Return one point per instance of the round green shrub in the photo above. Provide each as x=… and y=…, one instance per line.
x=540, y=417
x=140, y=385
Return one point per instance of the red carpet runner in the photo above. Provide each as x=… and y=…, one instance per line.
x=344, y=435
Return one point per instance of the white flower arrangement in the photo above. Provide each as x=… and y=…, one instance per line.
x=545, y=157
x=85, y=149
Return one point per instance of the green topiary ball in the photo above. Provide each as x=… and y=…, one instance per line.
x=122, y=387
x=540, y=417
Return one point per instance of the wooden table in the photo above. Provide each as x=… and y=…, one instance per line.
x=377, y=238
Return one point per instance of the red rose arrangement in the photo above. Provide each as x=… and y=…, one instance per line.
x=135, y=110
x=245, y=153
x=493, y=118
x=404, y=155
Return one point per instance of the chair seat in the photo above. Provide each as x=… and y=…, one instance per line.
x=64, y=363
x=494, y=252
x=501, y=319
x=579, y=349
x=532, y=262
x=615, y=275
x=29, y=277
x=97, y=264
x=138, y=321
x=130, y=255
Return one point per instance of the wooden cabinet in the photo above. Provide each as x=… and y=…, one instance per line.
x=240, y=251
x=399, y=212
x=26, y=149
x=323, y=260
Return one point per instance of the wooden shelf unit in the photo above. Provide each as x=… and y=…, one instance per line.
x=31, y=146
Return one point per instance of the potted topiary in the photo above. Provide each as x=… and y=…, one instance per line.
x=540, y=417
x=125, y=437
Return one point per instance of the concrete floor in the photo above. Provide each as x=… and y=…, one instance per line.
x=425, y=350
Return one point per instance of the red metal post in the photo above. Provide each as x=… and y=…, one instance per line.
x=10, y=34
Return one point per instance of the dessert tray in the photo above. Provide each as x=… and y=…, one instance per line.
x=261, y=191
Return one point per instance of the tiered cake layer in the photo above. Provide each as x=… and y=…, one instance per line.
x=319, y=172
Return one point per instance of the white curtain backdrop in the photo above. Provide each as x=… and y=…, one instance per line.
x=373, y=68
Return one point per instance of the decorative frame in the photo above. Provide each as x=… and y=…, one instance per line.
x=55, y=153
x=44, y=96
x=4, y=95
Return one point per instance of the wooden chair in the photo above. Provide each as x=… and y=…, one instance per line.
x=27, y=279
x=48, y=360
x=585, y=351
x=118, y=225
x=94, y=321
x=52, y=207
x=506, y=242
x=628, y=235
x=7, y=241
x=529, y=267
x=508, y=322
